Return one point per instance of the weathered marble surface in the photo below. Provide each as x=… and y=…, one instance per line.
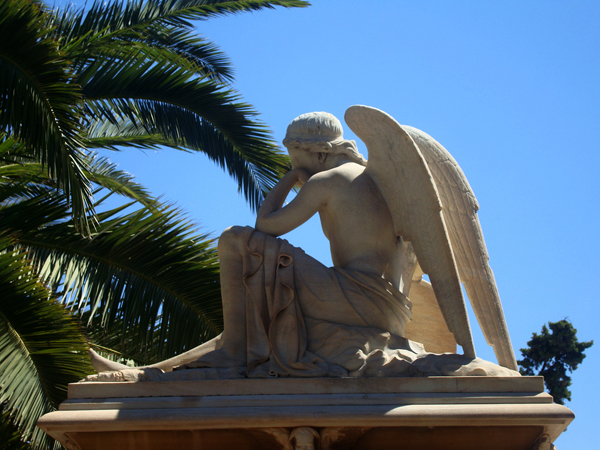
x=469, y=413
x=407, y=210
x=426, y=365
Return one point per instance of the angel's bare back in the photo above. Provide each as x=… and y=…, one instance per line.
x=358, y=224
x=354, y=215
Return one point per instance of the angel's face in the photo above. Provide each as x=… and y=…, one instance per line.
x=304, y=159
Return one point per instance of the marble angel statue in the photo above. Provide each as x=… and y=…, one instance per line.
x=408, y=210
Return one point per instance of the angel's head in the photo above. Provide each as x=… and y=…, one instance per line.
x=320, y=134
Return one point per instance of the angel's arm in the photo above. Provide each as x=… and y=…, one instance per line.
x=276, y=220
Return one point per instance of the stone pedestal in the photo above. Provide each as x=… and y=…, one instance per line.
x=347, y=413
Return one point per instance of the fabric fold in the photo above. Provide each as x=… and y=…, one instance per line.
x=307, y=320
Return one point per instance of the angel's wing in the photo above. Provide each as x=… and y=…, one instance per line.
x=401, y=174
x=459, y=207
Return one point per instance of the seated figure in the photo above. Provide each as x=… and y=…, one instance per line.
x=285, y=313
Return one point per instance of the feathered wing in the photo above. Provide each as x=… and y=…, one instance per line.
x=401, y=174
x=459, y=207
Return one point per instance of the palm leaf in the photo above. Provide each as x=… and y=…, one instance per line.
x=25, y=173
x=11, y=150
x=100, y=171
x=159, y=24
x=9, y=433
x=104, y=173
x=114, y=16
x=209, y=61
x=37, y=95
x=163, y=99
x=144, y=271
x=160, y=80
x=197, y=55
x=139, y=139
x=24, y=209
x=42, y=348
x=172, y=126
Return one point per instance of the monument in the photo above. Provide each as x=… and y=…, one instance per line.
x=318, y=357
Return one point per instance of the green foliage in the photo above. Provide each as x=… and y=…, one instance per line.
x=9, y=433
x=37, y=99
x=127, y=74
x=42, y=347
x=145, y=285
x=145, y=271
x=551, y=353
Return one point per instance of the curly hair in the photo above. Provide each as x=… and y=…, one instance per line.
x=320, y=132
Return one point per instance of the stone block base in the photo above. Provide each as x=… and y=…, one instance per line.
x=347, y=413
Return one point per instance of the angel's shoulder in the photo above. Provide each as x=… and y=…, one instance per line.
x=345, y=184
x=343, y=174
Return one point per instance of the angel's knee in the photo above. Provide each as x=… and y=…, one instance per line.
x=231, y=240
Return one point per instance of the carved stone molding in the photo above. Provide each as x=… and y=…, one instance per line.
x=341, y=437
x=305, y=438
x=70, y=443
x=544, y=443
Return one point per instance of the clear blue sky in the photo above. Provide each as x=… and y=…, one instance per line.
x=510, y=88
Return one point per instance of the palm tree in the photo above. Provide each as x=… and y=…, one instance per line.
x=140, y=280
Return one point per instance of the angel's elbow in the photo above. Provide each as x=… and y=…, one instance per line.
x=263, y=225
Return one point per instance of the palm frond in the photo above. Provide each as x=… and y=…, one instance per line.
x=195, y=55
x=104, y=173
x=117, y=142
x=121, y=131
x=9, y=433
x=12, y=151
x=163, y=99
x=25, y=173
x=168, y=276
x=156, y=23
x=209, y=60
x=256, y=169
x=160, y=80
x=100, y=171
x=24, y=210
x=42, y=348
x=115, y=16
x=37, y=94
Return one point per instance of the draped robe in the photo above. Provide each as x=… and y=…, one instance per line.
x=307, y=320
